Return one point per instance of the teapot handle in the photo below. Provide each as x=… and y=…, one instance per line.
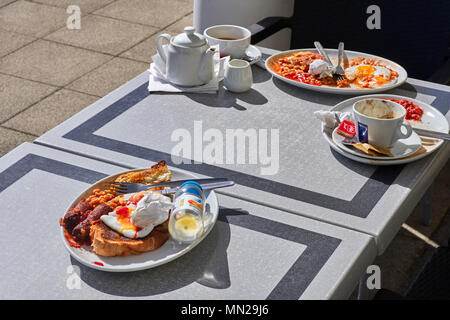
x=159, y=46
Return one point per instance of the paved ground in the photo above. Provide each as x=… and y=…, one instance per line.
x=48, y=73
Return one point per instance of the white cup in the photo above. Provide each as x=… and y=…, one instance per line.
x=378, y=131
x=233, y=40
x=238, y=76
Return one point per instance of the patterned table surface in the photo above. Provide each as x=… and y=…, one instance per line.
x=253, y=252
x=284, y=163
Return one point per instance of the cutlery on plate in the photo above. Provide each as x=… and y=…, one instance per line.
x=433, y=134
x=339, y=70
x=129, y=187
x=321, y=50
x=205, y=186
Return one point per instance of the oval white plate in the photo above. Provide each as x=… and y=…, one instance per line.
x=332, y=53
x=401, y=148
x=169, y=251
x=432, y=119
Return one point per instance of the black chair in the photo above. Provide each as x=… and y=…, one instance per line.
x=413, y=33
x=432, y=282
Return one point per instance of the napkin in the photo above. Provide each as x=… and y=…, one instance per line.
x=328, y=118
x=158, y=81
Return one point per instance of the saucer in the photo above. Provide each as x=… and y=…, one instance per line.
x=253, y=54
x=400, y=149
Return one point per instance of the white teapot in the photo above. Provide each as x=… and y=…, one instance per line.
x=189, y=59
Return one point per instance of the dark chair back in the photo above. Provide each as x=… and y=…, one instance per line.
x=413, y=33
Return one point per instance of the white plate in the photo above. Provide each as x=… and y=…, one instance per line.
x=332, y=53
x=169, y=251
x=401, y=148
x=432, y=119
x=254, y=53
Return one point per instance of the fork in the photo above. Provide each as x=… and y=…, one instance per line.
x=129, y=187
x=339, y=70
x=321, y=50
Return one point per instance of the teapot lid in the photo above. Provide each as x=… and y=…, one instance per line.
x=189, y=38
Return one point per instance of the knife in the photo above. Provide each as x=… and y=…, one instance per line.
x=205, y=186
x=433, y=134
x=321, y=50
x=177, y=183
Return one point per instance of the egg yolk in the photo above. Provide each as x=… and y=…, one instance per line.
x=124, y=218
x=363, y=71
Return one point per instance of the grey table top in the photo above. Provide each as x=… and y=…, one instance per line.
x=253, y=252
x=132, y=128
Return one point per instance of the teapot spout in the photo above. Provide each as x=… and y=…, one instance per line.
x=206, y=70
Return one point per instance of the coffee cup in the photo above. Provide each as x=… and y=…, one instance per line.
x=233, y=40
x=380, y=122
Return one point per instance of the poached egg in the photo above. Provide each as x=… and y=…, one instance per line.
x=142, y=213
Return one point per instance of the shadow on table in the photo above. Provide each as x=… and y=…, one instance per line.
x=332, y=99
x=309, y=95
x=386, y=175
x=206, y=264
x=405, y=89
x=226, y=99
x=260, y=75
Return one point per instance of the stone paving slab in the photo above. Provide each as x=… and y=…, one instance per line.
x=32, y=19
x=9, y=139
x=144, y=50
x=86, y=6
x=109, y=76
x=17, y=94
x=12, y=41
x=156, y=13
x=61, y=65
x=103, y=34
x=50, y=111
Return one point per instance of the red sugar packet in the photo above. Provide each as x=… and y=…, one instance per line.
x=347, y=129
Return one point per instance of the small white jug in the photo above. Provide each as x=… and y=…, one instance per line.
x=238, y=76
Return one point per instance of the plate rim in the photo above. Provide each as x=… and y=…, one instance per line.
x=139, y=267
x=381, y=162
x=343, y=91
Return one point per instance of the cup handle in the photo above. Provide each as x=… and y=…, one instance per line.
x=400, y=134
x=159, y=46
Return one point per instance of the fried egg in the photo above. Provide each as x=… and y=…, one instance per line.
x=369, y=76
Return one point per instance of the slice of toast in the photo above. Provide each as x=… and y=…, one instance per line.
x=107, y=242
x=156, y=174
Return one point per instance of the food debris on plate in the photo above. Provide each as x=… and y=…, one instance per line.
x=360, y=72
x=118, y=225
x=413, y=111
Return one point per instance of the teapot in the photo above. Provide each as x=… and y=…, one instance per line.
x=189, y=59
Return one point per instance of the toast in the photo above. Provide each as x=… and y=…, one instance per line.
x=107, y=242
x=158, y=173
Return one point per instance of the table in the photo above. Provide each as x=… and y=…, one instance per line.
x=248, y=255
x=305, y=177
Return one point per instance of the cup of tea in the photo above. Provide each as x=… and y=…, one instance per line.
x=380, y=122
x=233, y=40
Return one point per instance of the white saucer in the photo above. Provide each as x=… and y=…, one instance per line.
x=400, y=149
x=253, y=53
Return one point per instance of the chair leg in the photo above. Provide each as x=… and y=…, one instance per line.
x=427, y=209
x=363, y=291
